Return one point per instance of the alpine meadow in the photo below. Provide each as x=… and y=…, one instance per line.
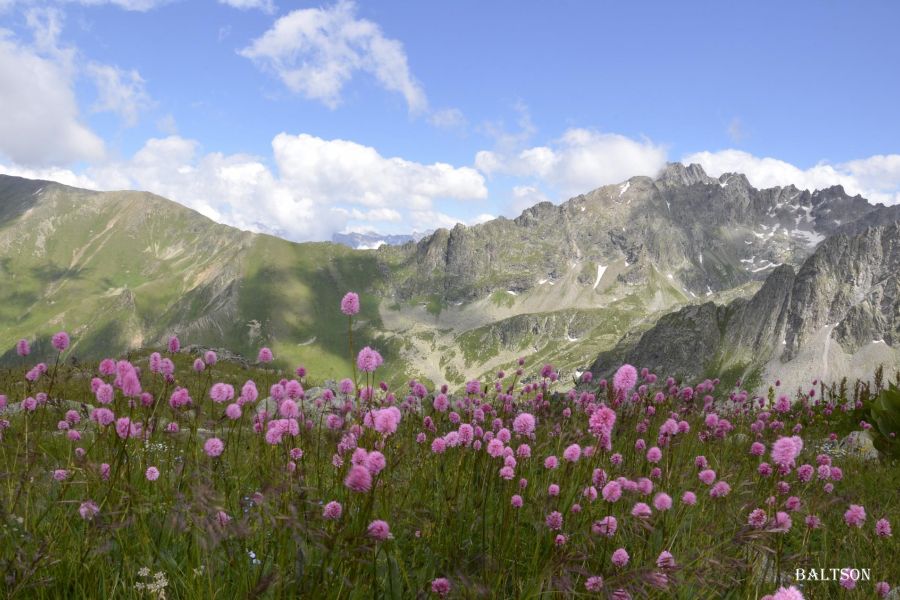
x=449, y=300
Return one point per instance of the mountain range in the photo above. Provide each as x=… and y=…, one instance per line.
x=683, y=273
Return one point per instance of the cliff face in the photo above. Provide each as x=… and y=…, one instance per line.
x=838, y=314
x=709, y=234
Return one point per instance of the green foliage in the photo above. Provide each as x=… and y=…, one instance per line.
x=884, y=413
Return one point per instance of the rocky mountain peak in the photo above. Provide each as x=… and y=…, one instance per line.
x=678, y=174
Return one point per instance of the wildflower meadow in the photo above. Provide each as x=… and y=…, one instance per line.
x=173, y=474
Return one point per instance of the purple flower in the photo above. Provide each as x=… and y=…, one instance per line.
x=60, y=340
x=350, y=304
x=368, y=360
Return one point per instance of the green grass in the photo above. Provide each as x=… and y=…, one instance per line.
x=449, y=513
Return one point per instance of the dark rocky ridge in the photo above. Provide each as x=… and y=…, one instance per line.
x=848, y=290
x=711, y=234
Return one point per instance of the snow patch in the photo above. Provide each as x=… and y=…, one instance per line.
x=512, y=293
x=768, y=265
x=600, y=271
x=624, y=188
x=812, y=238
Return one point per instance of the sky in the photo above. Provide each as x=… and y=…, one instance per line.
x=303, y=119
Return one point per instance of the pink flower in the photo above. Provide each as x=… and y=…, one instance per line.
x=594, y=583
x=221, y=392
x=551, y=462
x=665, y=560
x=624, y=379
x=785, y=450
x=213, y=447
x=757, y=518
x=654, y=454
x=720, y=490
x=707, y=476
x=23, y=348
x=883, y=528
x=350, y=304
x=524, y=424
x=60, y=340
x=554, y=520
x=782, y=522
x=441, y=404
x=612, y=491
x=88, y=510
x=358, y=479
x=332, y=510
x=572, y=453
x=640, y=510
x=233, y=411
x=375, y=462
x=265, y=355
x=689, y=498
x=379, y=530
x=662, y=501
x=368, y=360
x=553, y=490
x=441, y=586
x=174, y=344
x=883, y=588
x=788, y=593
x=855, y=516
x=516, y=501
x=620, y=557
x=438, y=445
x=60, y=474
x=757, y=449
x=152, y=474
x=606, y=526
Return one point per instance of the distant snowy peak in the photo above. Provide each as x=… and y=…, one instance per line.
x=370, y=240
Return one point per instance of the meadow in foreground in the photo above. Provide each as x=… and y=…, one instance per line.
x=175, y=476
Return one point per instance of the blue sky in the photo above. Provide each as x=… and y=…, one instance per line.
x=304, y=119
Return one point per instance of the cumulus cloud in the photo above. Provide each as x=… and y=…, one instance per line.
x=579, y=161
x=119, y=91
x=346, y=171
x=317, y=187
x=877, y=178
x=267, y=6
x=317, y=51
x=41, y=124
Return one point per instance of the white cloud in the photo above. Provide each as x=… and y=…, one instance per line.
x=317, y=51
x=525, y=196
x=317, y=186
x=448, y=118
x=267, y=6
x=131, y=5
x=579, y=161
x=41, y=123
x=167, y=125
x=736, y=130
x=121, y=92
x=64, y=176
x=345, y=171
x=877, y=178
